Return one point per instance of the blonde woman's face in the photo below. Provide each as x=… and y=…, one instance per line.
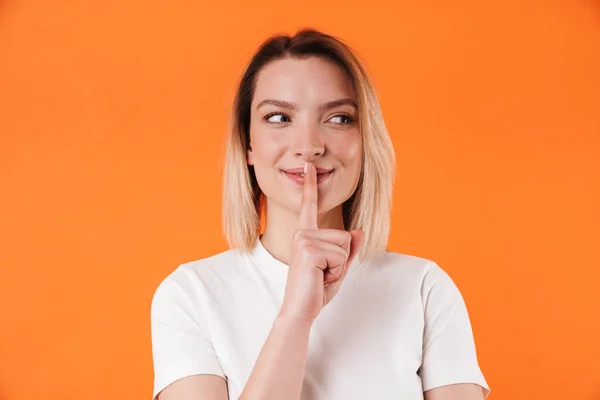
x=305, y=110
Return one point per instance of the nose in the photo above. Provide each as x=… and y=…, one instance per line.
x=308, y=143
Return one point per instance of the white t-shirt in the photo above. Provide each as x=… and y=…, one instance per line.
x=397, y=327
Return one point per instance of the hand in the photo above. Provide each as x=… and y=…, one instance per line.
x=319, y=258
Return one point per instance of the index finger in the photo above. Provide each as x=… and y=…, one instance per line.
x=309, y=205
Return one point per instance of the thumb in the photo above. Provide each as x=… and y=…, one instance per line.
x=355, y=244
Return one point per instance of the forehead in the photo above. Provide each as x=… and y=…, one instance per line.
x=310, y=80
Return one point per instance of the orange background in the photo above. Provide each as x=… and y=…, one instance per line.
x=112, y=121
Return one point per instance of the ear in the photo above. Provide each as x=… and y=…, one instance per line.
x=249, y=157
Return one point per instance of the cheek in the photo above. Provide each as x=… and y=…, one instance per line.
x=348, y=150
x=266, y=148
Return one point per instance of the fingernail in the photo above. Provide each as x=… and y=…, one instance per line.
x=305, y=167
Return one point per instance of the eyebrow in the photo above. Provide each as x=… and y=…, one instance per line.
x=294, y=107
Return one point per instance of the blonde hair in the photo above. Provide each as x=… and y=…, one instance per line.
x=369, y=207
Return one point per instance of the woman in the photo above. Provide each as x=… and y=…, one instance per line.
x=314, y=307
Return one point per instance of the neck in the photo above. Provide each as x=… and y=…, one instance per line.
x=281, y=224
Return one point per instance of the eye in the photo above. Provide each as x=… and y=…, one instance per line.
x=341, y=118
x=276, y=118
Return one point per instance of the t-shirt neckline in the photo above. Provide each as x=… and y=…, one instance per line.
x=268, y=262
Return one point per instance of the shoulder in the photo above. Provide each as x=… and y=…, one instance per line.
x=408, y=266
x=191, y=278
x=416, y=275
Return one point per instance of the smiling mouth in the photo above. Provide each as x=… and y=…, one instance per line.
x=298, y=178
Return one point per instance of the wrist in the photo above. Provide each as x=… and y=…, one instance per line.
x=293, y=321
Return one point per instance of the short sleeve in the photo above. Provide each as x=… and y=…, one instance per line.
x=180, y=344
x=449, y=355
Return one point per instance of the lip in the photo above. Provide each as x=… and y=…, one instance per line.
x=301, y=170
x=322, y=175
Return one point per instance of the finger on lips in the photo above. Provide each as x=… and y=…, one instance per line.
x=309, y=205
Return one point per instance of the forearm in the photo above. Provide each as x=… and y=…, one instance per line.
x=279, y=369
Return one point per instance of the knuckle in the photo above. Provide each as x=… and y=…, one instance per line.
x=344, y=254
x=347, y=236
x=305, y=242
x=309, y=249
